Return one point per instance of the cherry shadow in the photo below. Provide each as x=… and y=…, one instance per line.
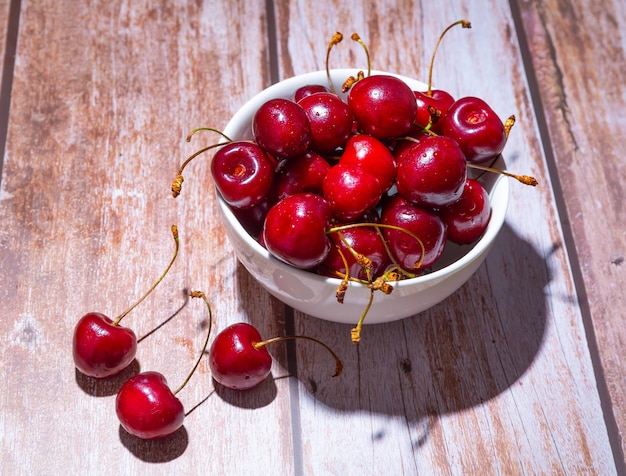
x=467, y=350
x=257, y=397
x=162, y=450
x=105, y=387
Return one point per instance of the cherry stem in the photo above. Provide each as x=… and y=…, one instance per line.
x=198, y=294
x=188, y=139
x=178, y=181
x=338, y=364
x=355, y=333
x=357, y=38
x=464, y=24
x=336, y=39
x=508, y=125
x=418, y=264
x=525, y=179
x=117, y=320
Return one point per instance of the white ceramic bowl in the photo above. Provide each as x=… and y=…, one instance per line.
x=315, y=295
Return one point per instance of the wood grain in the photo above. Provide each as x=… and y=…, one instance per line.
x=498, y=379
x=579, y=59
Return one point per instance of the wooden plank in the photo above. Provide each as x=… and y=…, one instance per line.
x=104, y=94
x=487, y=381
x=578, y=57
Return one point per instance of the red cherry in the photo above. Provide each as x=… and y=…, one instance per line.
x=424, y=224
x=243, y=173
x=238, y=358
x=331, y=121
x=147, y=408
x=363, y=240
x=477, y=129
x=234, y=360
x=100, y=346
x=295, y=230
x=432, y=172
x=383, y=106
x=373, y=156
x=350, y=191
x=281, y=128
x=302, y=174
x=101, y=349
x=438, y=99
x=468, y=217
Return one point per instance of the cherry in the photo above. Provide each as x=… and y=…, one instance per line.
x=100, y=346
x=383, y=106
x=146, y=406
x=373, y=156
x=243, y=174
x=477, y=129
x=302, y=174
x=307, y=90
x=432, y=172
x=281, y=128
x=411, y=254
x=331, y=121
x=239, y=360
x=252, y=218
x=350, y=191
x=361, y=249
x=468, y=217
x=295, y=230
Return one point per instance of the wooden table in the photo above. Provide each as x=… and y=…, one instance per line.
x=519, y=372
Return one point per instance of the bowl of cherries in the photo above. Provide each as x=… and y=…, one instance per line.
x=361, y=197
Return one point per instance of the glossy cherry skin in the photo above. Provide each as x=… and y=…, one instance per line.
x=331, y=121
x=373, y=156
x=281, y=128
x=477, y=129
x=101, y=349
x=243, y=174
x=295, y=230
x=363, y=240
x=439, y=99
x=302, y=174
x=468, y=217
x=234, y=361
x=383, y=106
x=351, y=191
x=432, y=172
x=147, y=408
x=423, y=223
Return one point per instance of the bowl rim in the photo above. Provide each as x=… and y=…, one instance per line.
x=497, y=219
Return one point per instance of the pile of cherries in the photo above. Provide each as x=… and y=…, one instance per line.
x=369, y=188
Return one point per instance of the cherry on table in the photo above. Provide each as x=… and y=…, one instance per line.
x=101, y=347
x=146, y=406
x=239, y=360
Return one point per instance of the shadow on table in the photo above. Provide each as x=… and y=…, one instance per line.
x=459, y=354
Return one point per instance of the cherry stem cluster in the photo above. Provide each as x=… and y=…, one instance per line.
x=117, y=320
x=198, y=294
x=338, y=363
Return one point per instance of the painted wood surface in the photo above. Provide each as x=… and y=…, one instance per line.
x=519, y=372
